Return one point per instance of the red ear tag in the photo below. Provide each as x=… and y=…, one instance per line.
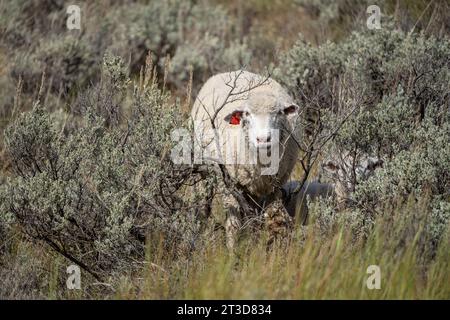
x=235, y=118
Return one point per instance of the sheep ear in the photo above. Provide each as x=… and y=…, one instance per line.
x=228, y=117
x=331, y=166
x=291, y=109
x=377, y=163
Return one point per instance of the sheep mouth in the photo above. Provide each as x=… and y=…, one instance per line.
x=263, y=145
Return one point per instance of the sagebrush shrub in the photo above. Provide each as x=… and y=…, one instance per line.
x=194, y=34
x=94, y=193
x=393, y=86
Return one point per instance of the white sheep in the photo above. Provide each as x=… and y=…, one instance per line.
x=248, y=123
x=347, y=169
x=344, y=169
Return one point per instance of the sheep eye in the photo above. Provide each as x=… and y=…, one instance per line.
x=290, y=110
x=247, y=113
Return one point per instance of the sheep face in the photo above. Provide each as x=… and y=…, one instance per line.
x=264, y=127
x=348, y=170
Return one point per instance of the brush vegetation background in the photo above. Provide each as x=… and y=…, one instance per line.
x=86, y=118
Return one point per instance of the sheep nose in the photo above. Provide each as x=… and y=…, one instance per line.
x=263, y=139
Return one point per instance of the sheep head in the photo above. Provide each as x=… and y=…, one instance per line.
x=264, y=120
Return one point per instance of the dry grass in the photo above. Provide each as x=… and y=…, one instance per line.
x=310, y=267
x=331, y=268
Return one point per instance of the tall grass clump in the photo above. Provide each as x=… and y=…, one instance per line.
x=311, y=267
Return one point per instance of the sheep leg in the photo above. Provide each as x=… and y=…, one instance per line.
x=278, y=222
x=233, y=222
